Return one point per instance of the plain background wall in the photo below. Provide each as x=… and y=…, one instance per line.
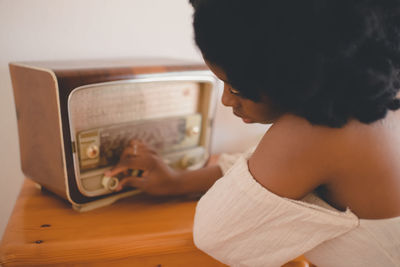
x=84, y=29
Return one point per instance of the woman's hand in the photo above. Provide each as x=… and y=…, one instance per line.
x=157, y=178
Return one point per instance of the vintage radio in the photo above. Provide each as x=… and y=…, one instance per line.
x=74, y=119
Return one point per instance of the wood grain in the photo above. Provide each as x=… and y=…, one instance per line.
x=44, y=230
x=139, y=231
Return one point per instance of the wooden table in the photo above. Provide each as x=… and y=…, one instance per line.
x=140, y=231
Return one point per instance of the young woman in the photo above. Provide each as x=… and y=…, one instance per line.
x=325, y=179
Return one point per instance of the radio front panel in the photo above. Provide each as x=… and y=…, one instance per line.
x=169, y=115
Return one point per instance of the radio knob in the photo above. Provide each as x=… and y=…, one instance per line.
x=110, y=183
x=92, y=151
x=192, y=131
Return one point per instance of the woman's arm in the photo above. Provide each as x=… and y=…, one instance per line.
x=197, y=181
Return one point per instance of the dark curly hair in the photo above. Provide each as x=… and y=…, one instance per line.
x=325, y=60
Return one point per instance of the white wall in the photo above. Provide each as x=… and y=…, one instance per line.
x=80, y=29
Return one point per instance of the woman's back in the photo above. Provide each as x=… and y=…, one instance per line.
x=367, y=171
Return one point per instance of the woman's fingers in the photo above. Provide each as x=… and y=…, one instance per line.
x=138, y=157
x=116, y=170
x=142, y=162
x=131, y=150
x=135, y=148
x=136, y=182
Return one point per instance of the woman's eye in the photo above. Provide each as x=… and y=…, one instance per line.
x=233, y=91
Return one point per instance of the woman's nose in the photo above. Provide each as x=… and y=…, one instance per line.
x=228, y=99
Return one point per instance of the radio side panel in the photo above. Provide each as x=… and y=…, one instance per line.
x=39, y=126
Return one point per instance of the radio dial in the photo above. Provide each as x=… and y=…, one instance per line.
x=110, y=183
x=92, y=151
x=192, y=131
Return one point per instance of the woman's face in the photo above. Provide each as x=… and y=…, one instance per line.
x=248, y=110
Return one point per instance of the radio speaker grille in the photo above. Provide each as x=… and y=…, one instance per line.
x=121, y=102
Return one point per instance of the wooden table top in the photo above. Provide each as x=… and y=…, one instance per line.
x=136, y=231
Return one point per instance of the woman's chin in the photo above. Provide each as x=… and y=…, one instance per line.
x=247, y=120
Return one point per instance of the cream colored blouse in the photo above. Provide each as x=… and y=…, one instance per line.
x=241, y=223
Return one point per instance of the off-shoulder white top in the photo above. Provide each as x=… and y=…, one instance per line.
x=240, y=223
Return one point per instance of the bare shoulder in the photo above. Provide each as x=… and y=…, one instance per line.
x=294, y=157
x=356, y=166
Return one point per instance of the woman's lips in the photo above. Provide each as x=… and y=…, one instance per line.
x=246, y=120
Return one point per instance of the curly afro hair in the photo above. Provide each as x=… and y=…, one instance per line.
x=325, y=60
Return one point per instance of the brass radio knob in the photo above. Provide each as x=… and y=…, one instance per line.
x=92, y=151
x=192, y=131
x=110, y=183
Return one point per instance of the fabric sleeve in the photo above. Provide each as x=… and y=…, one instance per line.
x=227, y=160
x=241, y=223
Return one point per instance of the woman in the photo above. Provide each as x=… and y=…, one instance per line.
x=324, y=181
